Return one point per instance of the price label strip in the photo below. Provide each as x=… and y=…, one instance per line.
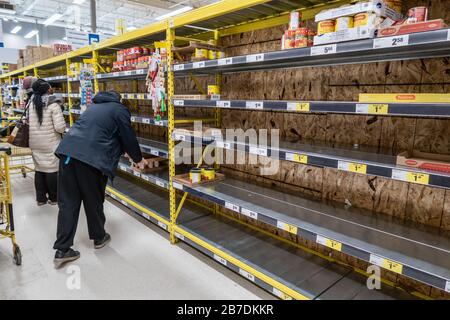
x=391, y=42
x=220, y=259
x=281, y=294
x=247, y=275
x=329, y=243
x=326, y=49
x=413, y=177
x=299, y=106
x=372, y=108
x=386, y=263
x=352, y=167
x=287, y=227
x=299, y=158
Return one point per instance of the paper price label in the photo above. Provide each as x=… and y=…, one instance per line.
x=225, y=61
x=249, y=213
x=220, y=260
x=128, y=73
x=255, y=58
x=200, y=64
x=123, y=168
x=420, y=178
x=178, y=67
x=179, y=137
x=448, y=38
x=258, y=151
x=352, y=167
x=223, y=145
x=141, y=96
x=179, y=236
x=223, y=104
x=146, y=120
x=154, y=152
x=372, y=108
x=254, y=105
x=447, y=286
x=133, y=119
x=299, y=158
x=145, y=215
x=281, y=294
x=386, y=263
x=146, y=178
x=160, y=184
x=326, y=49
x=137, y=173
x=124, y=203
x=178, y=186
x=159, y=123
x=162, y=225
x=178, y=103
x=140, y=71
x=247, y=275
x=299, y=106
x=287, y=227
x=390, y=42
x=113, y=196
x=329, y=243
x=232, y=207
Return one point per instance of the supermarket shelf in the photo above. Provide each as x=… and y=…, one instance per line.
x=421, y=255
x=361, y=160
x=393, y=109
x=154, y=147
x=262, y=260
x=429, y=44
x=141, y=73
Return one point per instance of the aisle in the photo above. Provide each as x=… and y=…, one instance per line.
x=139, y=263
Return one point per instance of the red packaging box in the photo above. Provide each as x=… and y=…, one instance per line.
x=411, y=28
x=424, y=161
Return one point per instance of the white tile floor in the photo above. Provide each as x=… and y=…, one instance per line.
x=139, y=263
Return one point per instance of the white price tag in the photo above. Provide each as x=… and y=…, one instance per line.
x=140, y=71
x=232, y=207
x=128, y=73
x=179, y=137
x=390, y=42
x=447, y=285
x=154, y=152
x=247, y=275
x=399, y=175
x=123, y=168
x=280, y=294
x=159, y=123
x=162, y=225
x=146, y=178
x=223, y=145
x=177, y=185
x=362, y=108
x=225, y=61
x=220, y=259
x=124, y=203
x=178, y=102
x=146, y=120
x=223, y=104
x=179, y=236
x=145, y=215
x=113, y=196
x=198, y=65
x=326, y=49
x=255, y=57
x=133, y=119
x=258, y=151
x=448, y=38
x=160, y=184
x=178, y=67
x=137, y=173
x=249, y=213
x=254, y=105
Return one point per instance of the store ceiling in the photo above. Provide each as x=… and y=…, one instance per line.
x=136, y=13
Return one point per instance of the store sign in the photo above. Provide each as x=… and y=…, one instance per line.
x=1, y=35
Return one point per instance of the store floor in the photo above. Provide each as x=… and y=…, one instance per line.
x=139, y=263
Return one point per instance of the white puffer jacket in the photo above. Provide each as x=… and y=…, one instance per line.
x=45, y=138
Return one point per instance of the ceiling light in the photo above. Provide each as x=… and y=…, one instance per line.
x=174, y=13
x=10, y=11
x=16, y=29
x=52, y=19
x=79, y=1
x=31, y=34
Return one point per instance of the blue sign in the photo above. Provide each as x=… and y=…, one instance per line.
x=94, y=38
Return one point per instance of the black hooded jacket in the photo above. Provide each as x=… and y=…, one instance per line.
x=101, y=135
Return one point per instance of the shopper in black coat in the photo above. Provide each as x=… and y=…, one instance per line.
x=89, y=154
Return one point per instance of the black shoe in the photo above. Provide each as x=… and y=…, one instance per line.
x=98, y=244
x=62, y=257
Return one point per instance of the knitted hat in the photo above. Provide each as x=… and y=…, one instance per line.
x=28, y=83
x=41, y=87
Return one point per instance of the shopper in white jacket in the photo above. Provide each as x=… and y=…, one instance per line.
x=47, y=124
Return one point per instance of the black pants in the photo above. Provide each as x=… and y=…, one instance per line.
x=79, y=182
x=46, y=185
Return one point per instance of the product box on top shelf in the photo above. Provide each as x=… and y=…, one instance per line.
x=357, y=33
x=380, y=8
x=424, y=161
x=411, y=28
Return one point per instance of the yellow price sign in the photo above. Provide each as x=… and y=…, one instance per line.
x=386, y=263
x=299, y=158
x=287, y=227
x=420, y=178
x=335, y=245
x=299, y=106
x=357, y=168
x=379, y=108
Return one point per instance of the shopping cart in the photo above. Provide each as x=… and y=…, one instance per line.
x=6, y=207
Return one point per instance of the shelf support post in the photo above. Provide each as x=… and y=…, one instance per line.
x=69, y=92
x=170, y=37
x=217, y=114
x=95, y=66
